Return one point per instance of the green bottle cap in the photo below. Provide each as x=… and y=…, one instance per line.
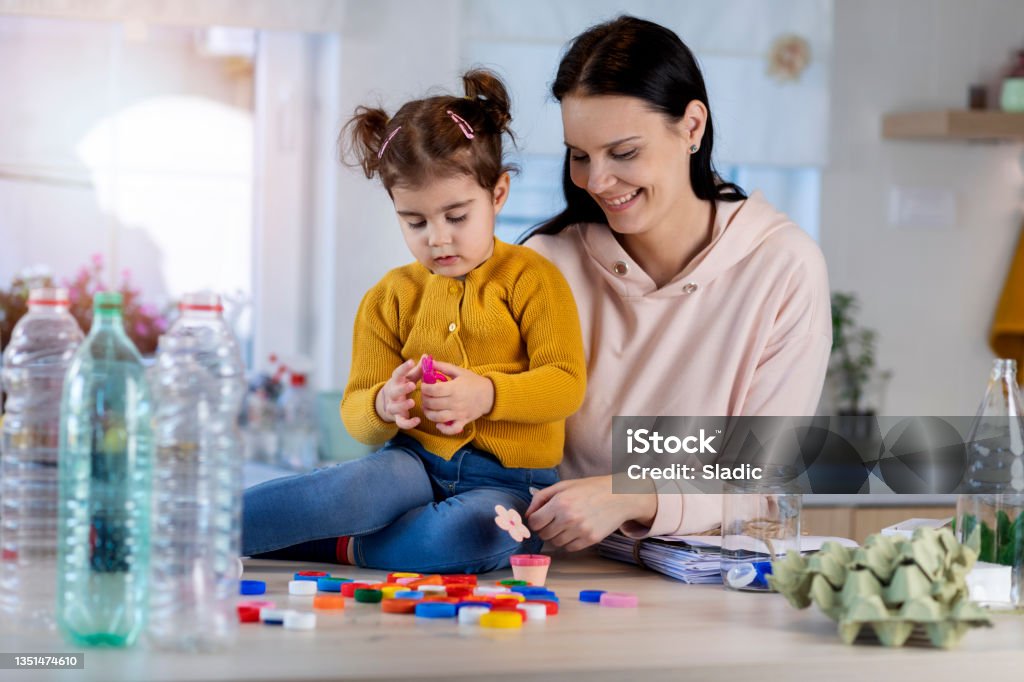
x=107, y=302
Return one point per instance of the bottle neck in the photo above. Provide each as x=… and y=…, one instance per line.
x=108, y=320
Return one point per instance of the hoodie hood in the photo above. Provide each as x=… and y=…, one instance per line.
x=740, y=228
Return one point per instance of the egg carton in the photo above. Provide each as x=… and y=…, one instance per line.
x=894, y=588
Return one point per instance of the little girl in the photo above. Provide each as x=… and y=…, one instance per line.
x=501, y=325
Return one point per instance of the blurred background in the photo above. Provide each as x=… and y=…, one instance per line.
x=168, y=147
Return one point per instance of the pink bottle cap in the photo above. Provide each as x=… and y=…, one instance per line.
x=619, y=599
x=530, y=560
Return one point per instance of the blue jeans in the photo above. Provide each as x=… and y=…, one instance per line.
x=403, y=507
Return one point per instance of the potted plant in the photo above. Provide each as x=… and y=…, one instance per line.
x=852, y=374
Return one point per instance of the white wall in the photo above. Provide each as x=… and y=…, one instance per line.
x=930, y=294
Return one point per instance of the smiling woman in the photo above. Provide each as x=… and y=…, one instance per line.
x=694, y=299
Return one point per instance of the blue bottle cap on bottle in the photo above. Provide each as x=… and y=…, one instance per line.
x=252, y=587
x=593, y=596
x=435, y=609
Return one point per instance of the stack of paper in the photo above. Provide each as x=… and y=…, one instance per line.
x=696, y=563
x=694, y=559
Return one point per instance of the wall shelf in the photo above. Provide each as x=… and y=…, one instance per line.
x=954, y=124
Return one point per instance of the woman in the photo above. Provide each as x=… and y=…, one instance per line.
x=694, y=298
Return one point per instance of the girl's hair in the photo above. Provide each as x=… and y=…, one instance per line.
x=635, y=58
x=430, y=137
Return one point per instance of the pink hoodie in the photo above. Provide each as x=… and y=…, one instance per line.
x=745, y=329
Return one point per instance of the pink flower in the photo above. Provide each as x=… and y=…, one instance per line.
x=509, y=520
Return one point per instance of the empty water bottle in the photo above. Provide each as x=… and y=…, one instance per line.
x=105, y=485
x=40, y=350
x=199, y=385
x=298, y=425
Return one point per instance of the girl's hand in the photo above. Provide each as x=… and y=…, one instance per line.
x=466, y=396
x=580, y=512
x=393, y=402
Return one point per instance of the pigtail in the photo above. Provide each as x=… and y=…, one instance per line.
x=362, y=138
x=486, y=90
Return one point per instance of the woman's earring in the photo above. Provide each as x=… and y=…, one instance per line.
x=693, y=148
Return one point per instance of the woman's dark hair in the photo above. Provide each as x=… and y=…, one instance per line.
x=635, y=58
x=427, y=137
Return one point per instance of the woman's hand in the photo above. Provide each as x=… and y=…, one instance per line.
x=452, y=404
x=393, y=402
x=580, y=512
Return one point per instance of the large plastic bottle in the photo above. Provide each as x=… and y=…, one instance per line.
x=40, y=350
x=199, y=383
x=990, y=511
x=298, y=425
x=106, y=444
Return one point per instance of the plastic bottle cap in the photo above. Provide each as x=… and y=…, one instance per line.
x=740, y=575
x=248, y=614
x=534, y=611
x=530, y=589
x=258, y=603
x=513, y=597
x=406, y=580
x=619, y=599
x=409, y=594
x=512, y=582
x=318, y=574
x=530, y=560
x=328, y=602
x=398, y=605
x=392, y=577
x=329, y=584
x=459, y=590
x=551, y=606
x=303, y=588
x=434, y=609
x=459, y=579
x=272, y=616
x=488, y=590
x=295, y=620
x=592, y=596
x=436, y=589
x=252, y=587
x=389, y=591
x=307, y=578
x=428, y=580
x=472, y=602
x=349, y=589
x=502, y=619
x=368, y=596
x=470, y=615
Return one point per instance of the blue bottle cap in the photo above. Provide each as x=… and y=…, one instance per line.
x=311, y=578
x=545, y=596
x=251, y=587
x=410, y=594
x=435, y=609
x=593, y=596
x=329, y=584
x=528, y=590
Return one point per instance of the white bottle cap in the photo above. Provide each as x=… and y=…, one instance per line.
x=305, y=588
x=297, y=620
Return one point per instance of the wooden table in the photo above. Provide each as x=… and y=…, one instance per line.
x=680, y=632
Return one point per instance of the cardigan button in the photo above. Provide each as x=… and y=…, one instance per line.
x=620, y=268
x=452, y=327
x=690, y=288
x=453, y=289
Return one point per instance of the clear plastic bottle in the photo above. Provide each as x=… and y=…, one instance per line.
x=106, y=448
x=990, y=511
x=41, y=348
x=199, y=385
x=298, y=425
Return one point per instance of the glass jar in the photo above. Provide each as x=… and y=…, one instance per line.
x=760, y=524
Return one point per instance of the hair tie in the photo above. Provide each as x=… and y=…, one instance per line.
x=386, y=141
x=466, y=129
